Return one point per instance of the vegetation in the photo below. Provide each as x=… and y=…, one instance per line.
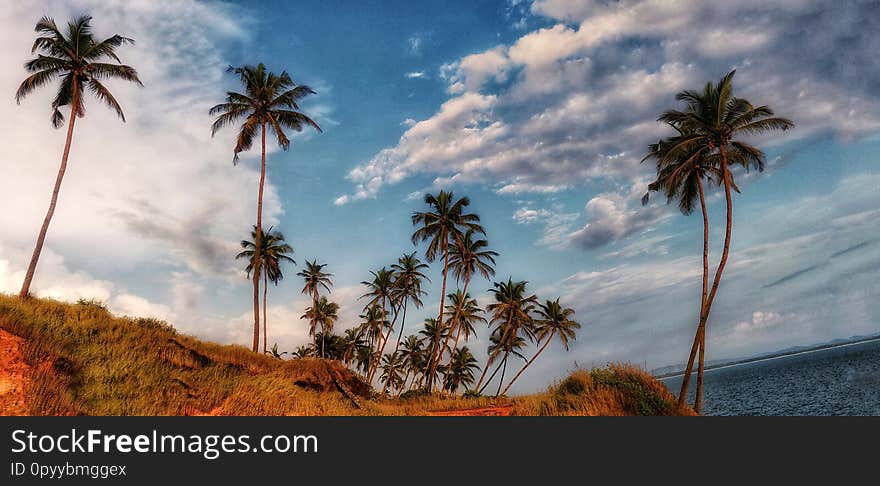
x=76, y=59
x=85, y=361
x=275, y=252
x=269, y=100
x=707, y=144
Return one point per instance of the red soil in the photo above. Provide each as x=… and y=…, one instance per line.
x=480, y=412
x=14, y=375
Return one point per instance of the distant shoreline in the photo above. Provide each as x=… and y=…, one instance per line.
x=772, y=356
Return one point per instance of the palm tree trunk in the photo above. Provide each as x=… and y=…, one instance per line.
x=314, y=324
x=380, y=344
x=721, y=264
x=492, y=356
x=402, y=325
x=486, y=385
x=257, y=240
x=455, y=318
x=682, y=396
x=265, y=292
x=41, y=238
x=503, y=370
x=434, y=361
x=549, y=338
x=698, y=402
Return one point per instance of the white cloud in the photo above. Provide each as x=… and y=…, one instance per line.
x=416, y=75
x=575, y=103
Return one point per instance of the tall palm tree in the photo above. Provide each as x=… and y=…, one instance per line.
x=712, y=123
x=680, y=176
x=408, y=286
x=80, y=62
x=553, y=320
x=315, y=279
x=275, y=252
x=442, y=225
x=460, y=370
x=380, y=292
x=269, y=100
x=323, y=313
x=468, y=257
x=511, y=316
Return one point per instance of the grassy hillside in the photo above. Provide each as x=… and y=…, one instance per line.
x=82, y=360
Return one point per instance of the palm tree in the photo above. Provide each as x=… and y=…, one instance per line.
x=554, y=320
x=380, y=293
x=392, y=373
x=467, y=258
x=275, y=251
x=463, y=312
x=444, y=224
x=711, y=124
x=269, y=100
x=373, y=325
x=315, y=279
x=76, y=59
x=413, y=355
x=680, y=176
x=352, y=340
x=510, y=346
x=408, y=286
x=304, y=351
x=460, y=370
x=323, y=313
x=511, y=314
x=434, y=337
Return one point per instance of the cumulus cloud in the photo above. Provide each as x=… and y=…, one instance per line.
x=574, y=102
x=609, y=220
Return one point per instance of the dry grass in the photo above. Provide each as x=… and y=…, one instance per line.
x=85, y=361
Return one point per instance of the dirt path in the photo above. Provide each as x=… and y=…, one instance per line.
x=14, y=375
x=478, y=412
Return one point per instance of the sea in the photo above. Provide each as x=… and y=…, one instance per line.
x=843, y=380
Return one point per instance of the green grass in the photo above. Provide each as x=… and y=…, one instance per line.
x=86, y=361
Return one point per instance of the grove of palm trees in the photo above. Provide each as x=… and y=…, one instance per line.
x=485, y=332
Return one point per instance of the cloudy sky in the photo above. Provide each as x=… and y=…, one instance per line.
x=538, y=111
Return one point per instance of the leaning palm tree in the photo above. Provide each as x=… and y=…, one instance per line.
x=78, y=60
x=713, y=122
x=680, y=176
x=510, y=346
x=315, y=279
x=352, y=340
x=324, y=314
x=408, y=286
x=434, y=336
x=269, y=100
x=380, y=292
x=460, y=370
x=511, y=315
x=444, y=224
x=275, y=252
x=553, y=320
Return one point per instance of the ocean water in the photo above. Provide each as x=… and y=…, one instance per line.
x=837, y=381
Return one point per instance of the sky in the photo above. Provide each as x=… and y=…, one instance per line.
x=538, y=111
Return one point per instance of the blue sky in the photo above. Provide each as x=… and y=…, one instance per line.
x=538, y=111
